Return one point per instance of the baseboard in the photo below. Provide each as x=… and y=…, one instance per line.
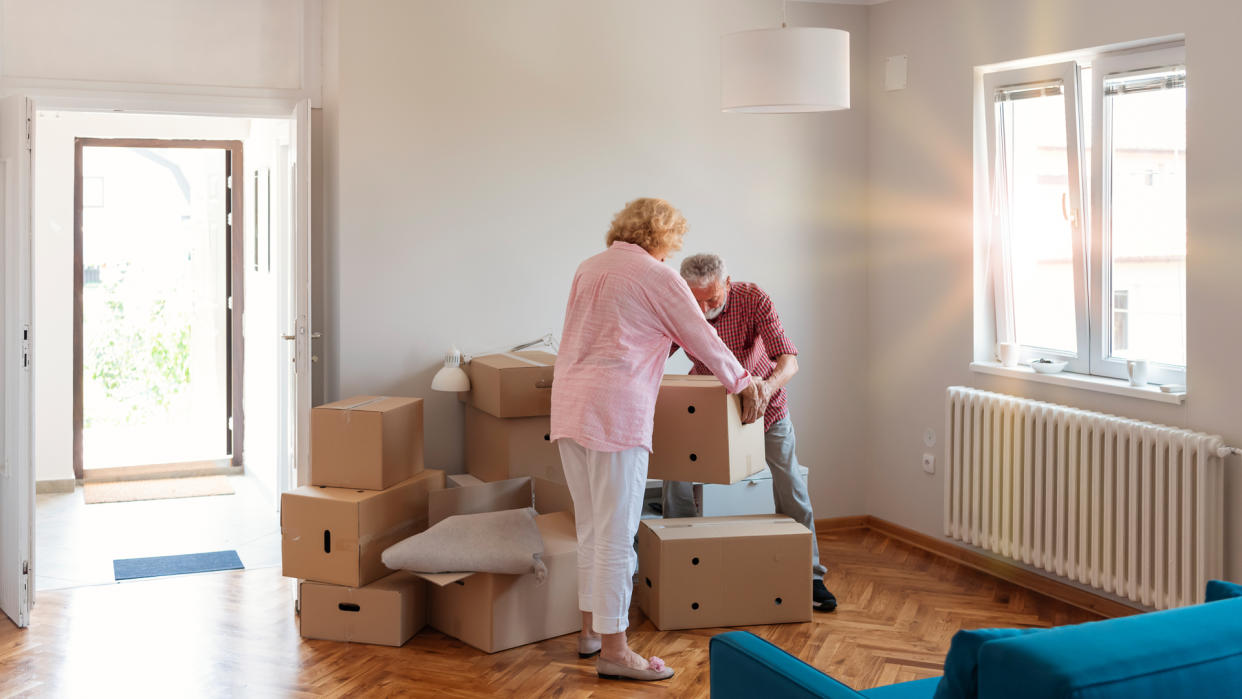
x=1005, y=570
x=187, y=469
x=851, y=522
x=59, y=485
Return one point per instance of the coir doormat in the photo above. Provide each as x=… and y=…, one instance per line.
x=157, y=489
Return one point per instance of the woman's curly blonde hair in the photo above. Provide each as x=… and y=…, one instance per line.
x=652, y=224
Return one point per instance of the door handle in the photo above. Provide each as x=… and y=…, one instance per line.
x=290, y=337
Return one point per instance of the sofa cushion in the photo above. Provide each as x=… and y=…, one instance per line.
x=1219, y=589
x=961, y=665
x=1188, y=652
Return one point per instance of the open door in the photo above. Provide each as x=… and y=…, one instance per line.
x=16, y=472
x=300, y=333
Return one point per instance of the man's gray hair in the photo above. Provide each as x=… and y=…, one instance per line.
x=703, y=270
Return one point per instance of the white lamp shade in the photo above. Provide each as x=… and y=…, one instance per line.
x=793, y=69
x=450, y=378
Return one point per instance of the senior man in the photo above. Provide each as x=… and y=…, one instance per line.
x=745, y=319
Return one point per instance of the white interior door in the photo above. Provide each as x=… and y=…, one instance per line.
x=16, y=335
x=300, y=295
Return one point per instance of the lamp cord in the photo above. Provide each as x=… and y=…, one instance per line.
x=784, y=13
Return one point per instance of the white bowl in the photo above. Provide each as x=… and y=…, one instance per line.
x=1051, y=367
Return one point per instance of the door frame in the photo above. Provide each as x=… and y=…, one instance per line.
x=234, y=272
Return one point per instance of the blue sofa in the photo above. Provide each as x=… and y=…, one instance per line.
x=1188, y=652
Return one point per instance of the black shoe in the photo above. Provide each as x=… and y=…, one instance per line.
x=821, y=598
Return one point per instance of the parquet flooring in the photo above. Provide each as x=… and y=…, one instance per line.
x=235, y=634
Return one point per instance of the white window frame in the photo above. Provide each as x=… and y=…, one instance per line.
x=1103, y=67
x=1066, y=74
x=1092, y=287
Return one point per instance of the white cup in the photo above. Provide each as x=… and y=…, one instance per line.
x=1008, y=352
x=1138, y=372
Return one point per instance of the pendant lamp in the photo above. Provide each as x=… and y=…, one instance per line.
x=786, y=70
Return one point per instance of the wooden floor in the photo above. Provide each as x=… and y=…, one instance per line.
x=235, y=634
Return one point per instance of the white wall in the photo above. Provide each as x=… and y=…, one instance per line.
x=239, y=45
x=919, y=291
x=53, y=259
x=484, y=146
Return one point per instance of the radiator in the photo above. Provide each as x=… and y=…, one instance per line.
x=1131, y=508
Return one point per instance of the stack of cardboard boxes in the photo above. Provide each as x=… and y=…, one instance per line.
x=508, y=428
x=368, y=491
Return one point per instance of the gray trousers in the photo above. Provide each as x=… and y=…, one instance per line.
x=788, y=487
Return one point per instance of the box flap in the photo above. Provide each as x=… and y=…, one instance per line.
x=512, y=494
x=442, y=579
x=559, y=534
x=724, y=527
x=551, y=496
x=689, y=380
x=377, y=404
x=516, y=360
x=461, y=480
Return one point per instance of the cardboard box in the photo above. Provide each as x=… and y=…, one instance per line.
x=511, y=384
x=387, y=612
x=699, y=435
x=706, y=572
x=336, y=535
x=501, y=448
x=370, y=442
x=494, y=612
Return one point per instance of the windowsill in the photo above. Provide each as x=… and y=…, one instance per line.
x=1102, y=384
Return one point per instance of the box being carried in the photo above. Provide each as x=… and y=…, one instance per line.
x=501, y=448
x=336, y=535
x=699, y=435
x=369, y=442
x=493, y=611
x=387, y=612
x=511, y=384
x=704, y=572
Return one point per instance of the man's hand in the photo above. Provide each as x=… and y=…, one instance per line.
x=755, y=399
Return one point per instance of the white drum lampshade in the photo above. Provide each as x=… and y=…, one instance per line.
x=792, y=69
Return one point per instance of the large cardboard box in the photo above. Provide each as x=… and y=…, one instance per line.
x=387, y=612
x=501, y=448
x=369, y=442
x=511, y=384
x=699, y=435
x=494, y=612
x=705, y=572
x=336, y=535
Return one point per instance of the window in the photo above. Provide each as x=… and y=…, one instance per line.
x=1088, y=211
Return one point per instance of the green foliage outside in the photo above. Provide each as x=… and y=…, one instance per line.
x=139, y=355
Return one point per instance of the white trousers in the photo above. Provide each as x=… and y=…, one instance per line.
x=607, y=488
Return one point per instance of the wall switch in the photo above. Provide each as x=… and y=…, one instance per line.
x=929, y=437
x=929, y=462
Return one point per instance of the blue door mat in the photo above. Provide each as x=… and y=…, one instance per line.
x=156, y=566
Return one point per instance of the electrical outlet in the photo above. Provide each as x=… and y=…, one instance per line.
x=929, y=462
x=929, y=437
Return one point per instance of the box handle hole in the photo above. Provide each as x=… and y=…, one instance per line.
x=690, y=410
x=547, y=438
x=694, y=605
x=694, y=561
x=694, y=457
x=327, y=541
x=348, y=607
x=648, y=581
x=778, y=601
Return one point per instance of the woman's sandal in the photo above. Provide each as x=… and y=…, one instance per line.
x=655, y=670
x=589, y=648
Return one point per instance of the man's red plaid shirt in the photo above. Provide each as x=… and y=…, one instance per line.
x=752, y=330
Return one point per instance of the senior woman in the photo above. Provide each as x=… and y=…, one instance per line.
x=625, y=309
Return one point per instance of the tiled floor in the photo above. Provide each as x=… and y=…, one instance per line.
x=75, y=543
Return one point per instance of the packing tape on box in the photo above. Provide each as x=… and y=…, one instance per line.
x=359, y=404
x=527, y=360
x=692, y=523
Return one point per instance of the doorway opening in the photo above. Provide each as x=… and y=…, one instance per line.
x=161, y=256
